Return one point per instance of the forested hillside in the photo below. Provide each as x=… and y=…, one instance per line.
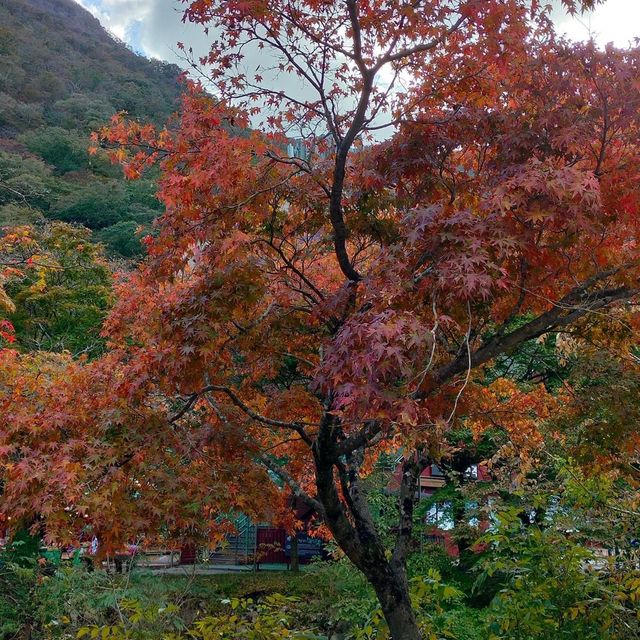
x=65, y=214
x=61, y=76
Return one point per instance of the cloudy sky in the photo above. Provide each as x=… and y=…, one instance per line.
x=153, y=27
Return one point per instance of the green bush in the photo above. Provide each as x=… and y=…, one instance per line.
x=122, y=239
x=19, y=115
x=62, y=298
x=551, y=588
x=96, y=205
x=19, y=574
x=329, y=599
x=99, y=204
x=17, y=585
x=24, y=181
x=15, y=215
x=270, y=618
x=81, y=112
x=65, y=150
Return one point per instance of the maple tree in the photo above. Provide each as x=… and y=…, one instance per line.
x=298, y=315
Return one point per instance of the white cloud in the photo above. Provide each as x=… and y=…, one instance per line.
x=616, y=21
x=117, y=15
x=155, y=26
x=152, y=27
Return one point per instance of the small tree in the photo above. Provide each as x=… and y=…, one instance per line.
x=62, y=290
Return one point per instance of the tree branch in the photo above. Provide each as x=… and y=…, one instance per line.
x=412, y=469
x=287, y=478
x=420, y=48
x=577, y=303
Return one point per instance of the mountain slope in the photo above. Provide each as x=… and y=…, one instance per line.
x=51, y=50
x=62, y=76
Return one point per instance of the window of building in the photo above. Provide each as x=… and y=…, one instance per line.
x=472, y=472
x=439, y=515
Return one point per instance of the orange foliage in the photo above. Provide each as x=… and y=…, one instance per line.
x=298, y=314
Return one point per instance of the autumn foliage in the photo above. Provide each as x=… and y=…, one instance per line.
x=297, y=315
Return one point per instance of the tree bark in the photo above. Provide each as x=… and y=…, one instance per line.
x=393, y=595
x=354, y=531
x=295, y=560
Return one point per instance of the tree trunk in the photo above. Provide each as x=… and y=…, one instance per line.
x=295, y=560
x=393, y=596
x=402, y=623
x=357, y=535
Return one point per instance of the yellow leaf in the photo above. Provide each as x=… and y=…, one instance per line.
x=5, y=301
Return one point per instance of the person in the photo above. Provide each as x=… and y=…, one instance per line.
x=88, y=553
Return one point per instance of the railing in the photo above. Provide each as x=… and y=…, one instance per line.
x=241, y=546
x=433, y=538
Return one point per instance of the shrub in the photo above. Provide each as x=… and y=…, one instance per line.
x=65, y=150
